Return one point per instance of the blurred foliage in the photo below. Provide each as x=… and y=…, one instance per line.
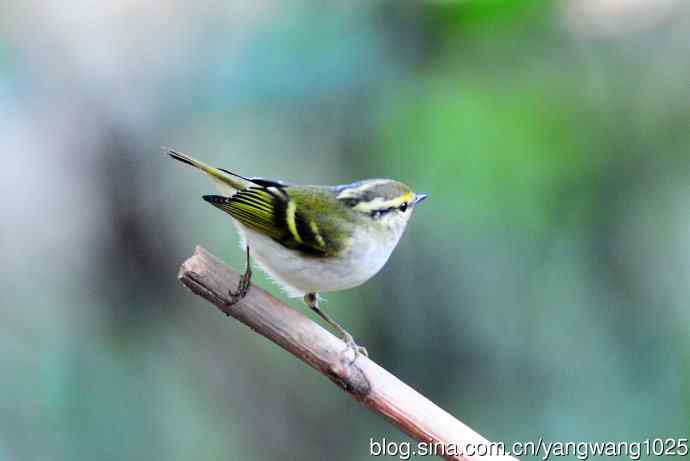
x=542, y=290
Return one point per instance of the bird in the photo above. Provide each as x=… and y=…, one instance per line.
x=312, y=239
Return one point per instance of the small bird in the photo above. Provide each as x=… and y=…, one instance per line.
x=312, y=239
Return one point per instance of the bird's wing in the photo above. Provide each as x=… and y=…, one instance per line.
x=270, y=210
x=265, y=206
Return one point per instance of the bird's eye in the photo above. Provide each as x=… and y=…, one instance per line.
x=403, y=206
x=351, y=202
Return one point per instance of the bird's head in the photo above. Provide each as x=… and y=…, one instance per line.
x=386, y=203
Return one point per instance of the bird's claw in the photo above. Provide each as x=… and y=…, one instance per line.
x=356, y=349
x=242, y=288
x=243, y=285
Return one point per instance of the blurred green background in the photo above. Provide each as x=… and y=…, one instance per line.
x=542, y=291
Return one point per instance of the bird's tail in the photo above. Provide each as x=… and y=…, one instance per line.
x=228, y=183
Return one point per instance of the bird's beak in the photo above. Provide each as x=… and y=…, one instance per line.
x=418, y=198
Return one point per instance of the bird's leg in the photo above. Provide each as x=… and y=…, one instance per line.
x=312, y=300
x=243, y=285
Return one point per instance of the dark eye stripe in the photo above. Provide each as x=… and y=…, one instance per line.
x=351, y=202
x=378, y=213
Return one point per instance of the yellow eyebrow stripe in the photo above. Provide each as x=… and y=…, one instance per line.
x=380, y=204
x=406, y=198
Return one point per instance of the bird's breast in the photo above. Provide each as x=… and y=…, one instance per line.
x=298, y=274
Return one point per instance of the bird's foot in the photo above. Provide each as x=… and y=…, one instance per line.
x=356, y=349
x=243, y=286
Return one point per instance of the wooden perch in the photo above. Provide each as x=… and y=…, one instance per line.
x=366, y=381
